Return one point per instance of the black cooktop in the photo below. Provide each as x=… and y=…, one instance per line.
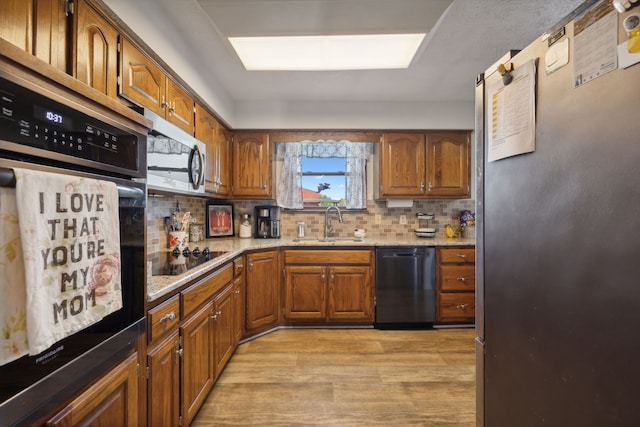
x=173, y=262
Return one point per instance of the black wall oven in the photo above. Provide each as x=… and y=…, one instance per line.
x=43, y=128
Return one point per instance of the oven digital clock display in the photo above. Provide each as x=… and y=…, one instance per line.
x=51, y=116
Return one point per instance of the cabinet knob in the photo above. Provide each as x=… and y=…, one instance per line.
x=422, y=187
x=430, y=187
x=462, y=306
x=461, y=279
x=179, y=352
x=168, y=317
x=323, y=277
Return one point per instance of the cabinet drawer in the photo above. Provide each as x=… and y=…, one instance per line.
x=457, y=278
x=457, y=255
x=164, y=317
x=317, y=257
x=199, y=293
x=238, y=266
x=456, y=307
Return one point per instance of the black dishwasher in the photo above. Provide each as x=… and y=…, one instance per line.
x=405, y=287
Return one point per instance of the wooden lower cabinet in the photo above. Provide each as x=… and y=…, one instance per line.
x=350, y=293
x=197, y=368
x=112, y=401
x=224, y=327
x=163, y=382
x=322, y=286
x=262, y=290
x=456, y=285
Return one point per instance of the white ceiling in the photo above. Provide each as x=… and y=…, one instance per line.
x=437, y=90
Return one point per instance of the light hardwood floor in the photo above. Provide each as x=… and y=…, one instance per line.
x=347, y=377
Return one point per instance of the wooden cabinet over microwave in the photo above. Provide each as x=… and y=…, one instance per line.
x=145, y=84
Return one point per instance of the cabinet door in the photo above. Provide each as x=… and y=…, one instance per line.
x=224, y=331
x=206, y=129
x=179, y=108
x=448, y=164
x=197, y=368
x=16, y=23
x=305, y=292
x=251, y=165
x=239, y=309
x=38, y=27
x=50, y=37
x=112, y=401
x=163, y=383
x=350, y=296
x=263, y=290
x=223, y=143
x=96, y=50
x=402, y=165
x=143, y=83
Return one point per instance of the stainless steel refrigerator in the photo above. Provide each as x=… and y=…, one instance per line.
x=558, y=250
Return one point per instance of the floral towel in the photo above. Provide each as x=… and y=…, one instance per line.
x=69, y=228
x=13, y=317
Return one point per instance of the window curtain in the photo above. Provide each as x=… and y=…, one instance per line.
x=290, y=182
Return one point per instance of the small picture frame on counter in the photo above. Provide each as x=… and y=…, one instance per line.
x=219, y=219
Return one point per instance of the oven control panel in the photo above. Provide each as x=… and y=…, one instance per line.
x=31, y=119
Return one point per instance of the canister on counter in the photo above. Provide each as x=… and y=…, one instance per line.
x=196, y=232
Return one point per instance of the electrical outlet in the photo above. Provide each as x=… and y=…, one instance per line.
x=403, y=220
x=378, y=219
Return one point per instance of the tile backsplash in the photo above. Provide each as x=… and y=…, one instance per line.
x=445, y=211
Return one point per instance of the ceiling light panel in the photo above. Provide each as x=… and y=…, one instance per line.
x=336, y=52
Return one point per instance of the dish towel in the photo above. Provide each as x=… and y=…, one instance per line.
x=70, y=235
x=13, y=317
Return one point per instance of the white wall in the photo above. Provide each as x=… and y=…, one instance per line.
x=371, y=115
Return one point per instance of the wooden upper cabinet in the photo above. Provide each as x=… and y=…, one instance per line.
x=402, y=165
x=38, y=27
x=96, y=52
x=218, y=156
x=145, y=84
x=448, y=164
x=252, y=165
x=16, y=23
x=223, y=141
x=179, y=107
x=435, y=166
x=206, y=128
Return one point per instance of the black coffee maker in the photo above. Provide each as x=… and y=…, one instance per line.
x=267, y=222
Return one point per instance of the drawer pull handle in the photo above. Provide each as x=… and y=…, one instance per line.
x=168, y=317
x=461, y=279
x=462, y=306
x=461, y=256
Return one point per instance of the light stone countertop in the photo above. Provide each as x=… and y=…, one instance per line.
x=159, y=286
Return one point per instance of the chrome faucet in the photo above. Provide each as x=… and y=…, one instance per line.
x=328, y=228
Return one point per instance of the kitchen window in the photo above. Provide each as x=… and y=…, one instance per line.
x=322, y=173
